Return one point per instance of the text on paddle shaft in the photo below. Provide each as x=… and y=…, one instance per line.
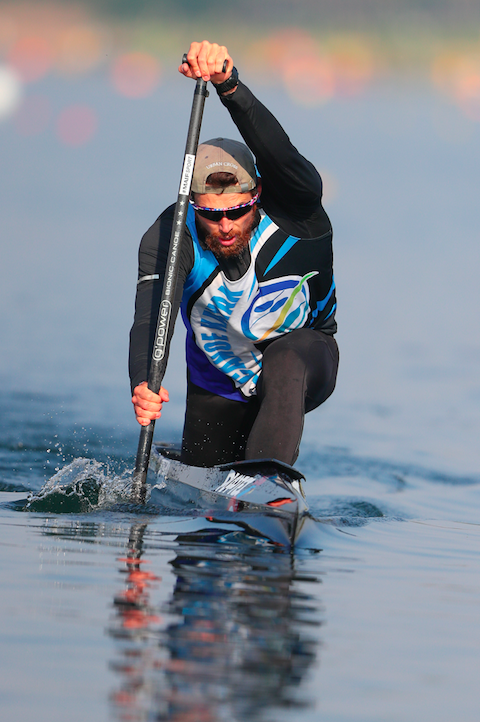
x=187, y=174
x=162, y=329
x=168, y=290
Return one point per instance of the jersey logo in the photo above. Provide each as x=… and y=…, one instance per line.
x=279, y=306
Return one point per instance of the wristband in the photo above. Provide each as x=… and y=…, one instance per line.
x=229, y=84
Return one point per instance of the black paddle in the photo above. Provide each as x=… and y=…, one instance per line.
x=159, y=361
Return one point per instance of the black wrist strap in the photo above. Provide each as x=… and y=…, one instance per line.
x=229, y=84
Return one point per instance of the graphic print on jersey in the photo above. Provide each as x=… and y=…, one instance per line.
x=279, y=306
x=229, y=313
x=216, y=321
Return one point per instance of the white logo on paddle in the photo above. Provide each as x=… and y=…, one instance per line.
x=235, y=483
x=187, y=174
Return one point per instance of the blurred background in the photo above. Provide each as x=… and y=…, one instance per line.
x=382, y=95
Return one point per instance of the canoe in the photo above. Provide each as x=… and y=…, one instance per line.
x=263, y=497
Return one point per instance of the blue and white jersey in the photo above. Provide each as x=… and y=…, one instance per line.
x=288, y=285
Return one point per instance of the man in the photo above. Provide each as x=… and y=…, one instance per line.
x=255, y=287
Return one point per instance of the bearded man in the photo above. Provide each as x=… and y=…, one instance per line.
x=255, y=287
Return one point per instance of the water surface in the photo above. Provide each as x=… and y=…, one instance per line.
x=115, y=614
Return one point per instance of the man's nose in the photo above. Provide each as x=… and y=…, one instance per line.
x=225, y=225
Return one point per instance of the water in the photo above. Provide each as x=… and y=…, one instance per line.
x=115, y=614
x=111, y=613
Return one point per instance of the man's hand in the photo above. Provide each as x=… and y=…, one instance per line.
x=205, y=60
x=147, y=404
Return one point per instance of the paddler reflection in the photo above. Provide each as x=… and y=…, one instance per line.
x=133, y=602
x=238, y=634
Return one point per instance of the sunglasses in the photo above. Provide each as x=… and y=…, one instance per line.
x=233, y=213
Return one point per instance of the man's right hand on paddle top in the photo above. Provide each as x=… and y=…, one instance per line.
x=147, y=404
x=205, y=60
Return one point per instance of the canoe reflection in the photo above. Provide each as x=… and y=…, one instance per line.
x=237, y=638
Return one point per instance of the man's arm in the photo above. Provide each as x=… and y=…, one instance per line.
x=288, y=178
x=291, y=185
x=153, y=255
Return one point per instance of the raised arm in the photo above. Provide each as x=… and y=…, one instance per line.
x=287, y=176
x=292, y=187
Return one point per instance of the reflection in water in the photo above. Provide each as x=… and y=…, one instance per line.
x=237, y=640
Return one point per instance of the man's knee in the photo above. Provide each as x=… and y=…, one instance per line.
x=283, y=371
x=281, y=357
x=303, y=361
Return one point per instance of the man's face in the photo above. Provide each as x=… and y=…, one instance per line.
x=226, y=237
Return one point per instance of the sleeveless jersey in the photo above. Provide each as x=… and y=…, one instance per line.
x=288, y=285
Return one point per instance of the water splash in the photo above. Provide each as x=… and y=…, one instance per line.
x=82, y=486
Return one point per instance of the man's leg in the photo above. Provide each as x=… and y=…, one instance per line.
x=299, y=373
x=216, y=429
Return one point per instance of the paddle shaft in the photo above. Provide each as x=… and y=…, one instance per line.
x=159, y=359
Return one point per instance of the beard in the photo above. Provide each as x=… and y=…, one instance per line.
x=236, y=249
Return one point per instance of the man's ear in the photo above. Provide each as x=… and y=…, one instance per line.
x=259, y=186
